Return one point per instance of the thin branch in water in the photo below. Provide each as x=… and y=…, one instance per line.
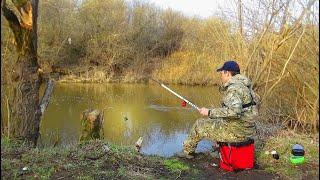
x=46, y=97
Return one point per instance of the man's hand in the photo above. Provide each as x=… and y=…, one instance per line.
x=204, y=111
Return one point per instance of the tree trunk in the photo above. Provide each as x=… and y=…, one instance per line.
x=91, y=124
x=25, y=110
x=240, y=18
x=46, y=97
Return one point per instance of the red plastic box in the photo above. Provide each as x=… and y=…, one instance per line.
x=236, y=156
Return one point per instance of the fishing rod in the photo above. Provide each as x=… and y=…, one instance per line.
x=176, y=94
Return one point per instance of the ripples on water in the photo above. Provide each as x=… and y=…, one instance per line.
x=152, y=113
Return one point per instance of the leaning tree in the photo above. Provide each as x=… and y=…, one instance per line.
x=25, y=110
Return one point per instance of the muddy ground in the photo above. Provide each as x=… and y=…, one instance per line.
x=204, y=162
x=100, y=160
x=141, y=167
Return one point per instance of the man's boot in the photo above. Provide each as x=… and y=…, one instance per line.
x=182, y=154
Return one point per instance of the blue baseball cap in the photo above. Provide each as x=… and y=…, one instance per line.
x=230, y=66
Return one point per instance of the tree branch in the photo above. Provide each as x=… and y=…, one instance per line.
x=286, y=64
x=46, y=97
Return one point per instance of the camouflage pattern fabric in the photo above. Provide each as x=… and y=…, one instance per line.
x=231, y=122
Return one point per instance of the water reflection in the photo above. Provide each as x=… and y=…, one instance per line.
x=151, y=112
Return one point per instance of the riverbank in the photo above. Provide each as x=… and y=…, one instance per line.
x=74, y=74
x=101, y=160
x=282, y=106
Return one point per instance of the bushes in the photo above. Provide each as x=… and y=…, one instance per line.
x=136, y=40
x=187, y=67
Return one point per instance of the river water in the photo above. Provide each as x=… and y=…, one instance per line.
x=152, y=113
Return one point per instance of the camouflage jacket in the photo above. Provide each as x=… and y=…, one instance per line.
x=236, y=93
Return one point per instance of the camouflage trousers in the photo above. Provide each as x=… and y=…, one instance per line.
x=212, y=129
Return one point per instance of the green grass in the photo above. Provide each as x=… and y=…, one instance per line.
x=175, y=165
x=5, y=141
x=125, y=162
x=121, y=172
x=73, y=162
x=84, y=178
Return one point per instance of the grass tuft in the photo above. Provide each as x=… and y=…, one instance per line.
x=175, y=165
x=282, y=143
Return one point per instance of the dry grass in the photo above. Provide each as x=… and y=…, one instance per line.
x=132, y=42
x=282, y=142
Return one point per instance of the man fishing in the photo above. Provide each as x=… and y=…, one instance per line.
x=234, y=121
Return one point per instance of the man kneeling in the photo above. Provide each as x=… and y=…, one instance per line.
x=234, y=121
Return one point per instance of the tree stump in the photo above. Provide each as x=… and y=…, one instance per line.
x=91, y=124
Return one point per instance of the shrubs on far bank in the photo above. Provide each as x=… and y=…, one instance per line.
x=120, y=41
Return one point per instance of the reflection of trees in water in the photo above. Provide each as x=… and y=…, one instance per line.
x=157, y=127
x=134, y=100
x=58, y=137
x=102, y=94
x=157, y=141
x=142, y=124
x=160, y=134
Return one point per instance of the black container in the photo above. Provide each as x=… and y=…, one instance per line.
x=276, y=156
x=297, y=152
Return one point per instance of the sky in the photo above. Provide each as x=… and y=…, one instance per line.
x=207, y=8
x=201, y=8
